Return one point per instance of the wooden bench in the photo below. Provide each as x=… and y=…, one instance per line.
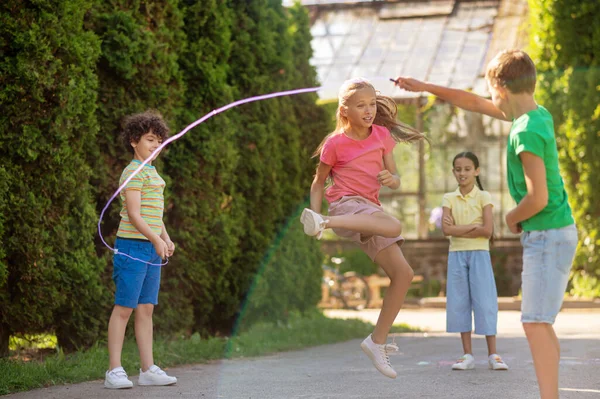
x=376, y=282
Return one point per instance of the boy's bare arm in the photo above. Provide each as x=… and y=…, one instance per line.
x=537, y=191
x=165, y=237
x=460, y=98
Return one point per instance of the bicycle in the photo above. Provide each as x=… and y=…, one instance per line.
x=349, y=290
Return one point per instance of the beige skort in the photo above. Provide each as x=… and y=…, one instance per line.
x=354, y=205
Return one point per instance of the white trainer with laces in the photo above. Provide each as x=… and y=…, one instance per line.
x=155, y=376
x=314, y=224
x=117, y=379
x=496, y=363
x=379, y=356
x=466, y=362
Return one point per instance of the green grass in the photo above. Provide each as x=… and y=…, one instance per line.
x=261, y=339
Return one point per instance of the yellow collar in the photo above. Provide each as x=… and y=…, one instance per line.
x=472, y=194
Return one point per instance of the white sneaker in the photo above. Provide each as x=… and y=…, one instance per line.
x=314, y=224
x=155, y=376
x=466, y=362
x=496, y=363
x=379, y=356
x=117, y=379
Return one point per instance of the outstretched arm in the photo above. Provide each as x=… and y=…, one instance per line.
x=459, y=98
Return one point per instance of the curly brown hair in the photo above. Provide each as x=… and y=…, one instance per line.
x=136, y=125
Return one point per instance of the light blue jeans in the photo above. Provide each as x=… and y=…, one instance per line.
x=547, y=260
x=471, y=290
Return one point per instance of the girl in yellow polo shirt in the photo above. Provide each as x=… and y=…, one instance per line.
x=471, y=289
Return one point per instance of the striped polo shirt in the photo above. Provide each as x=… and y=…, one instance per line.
x=152, y=186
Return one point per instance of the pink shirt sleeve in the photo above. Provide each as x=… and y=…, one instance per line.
x=388, y=142
x=328, y=155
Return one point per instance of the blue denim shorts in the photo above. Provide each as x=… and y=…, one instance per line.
x=471, y=292
x=136, y=282
x=547, y=259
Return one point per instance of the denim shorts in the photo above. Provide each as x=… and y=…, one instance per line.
x=547, y=259
x=136, y=282
x=471, y=291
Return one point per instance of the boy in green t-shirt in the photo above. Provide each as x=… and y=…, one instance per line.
x=543, y=214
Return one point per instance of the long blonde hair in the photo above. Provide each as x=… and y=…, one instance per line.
x=385, y=116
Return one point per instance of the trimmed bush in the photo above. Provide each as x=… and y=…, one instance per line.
x=49, y=271
x=566, y=49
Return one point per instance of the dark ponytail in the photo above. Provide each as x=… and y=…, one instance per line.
x=478, y=182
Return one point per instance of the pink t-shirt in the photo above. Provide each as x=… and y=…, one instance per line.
x=356, y=163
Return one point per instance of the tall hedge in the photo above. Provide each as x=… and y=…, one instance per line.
x=137, y=70
x=565, y=41
x=204, y=218
x=242, y=175
x=49, y=273
x=235, y=185
x=289, y=274
x=273, y=177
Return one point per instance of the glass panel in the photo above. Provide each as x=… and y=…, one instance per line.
x=390, y=69
x=366, y=70
x=318, y=28
x=336, y=42
x=322, y=51
x=340, y=73
x=351, y=49
x=340, y=23
x=322, y=73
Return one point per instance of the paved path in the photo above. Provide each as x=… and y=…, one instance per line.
x=342, y=371
x=571, y=322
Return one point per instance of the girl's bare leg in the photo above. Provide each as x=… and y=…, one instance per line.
x=394, y=264
x=491, y=344
x=379, y=224
x=465, y=337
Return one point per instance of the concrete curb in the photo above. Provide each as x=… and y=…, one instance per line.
x=512, y=303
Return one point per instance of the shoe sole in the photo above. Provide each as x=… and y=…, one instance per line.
x=465, y=369
x=499, y=369
x=370, y=355
x=109, y=386
x=144, y=384
x=308, y=221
